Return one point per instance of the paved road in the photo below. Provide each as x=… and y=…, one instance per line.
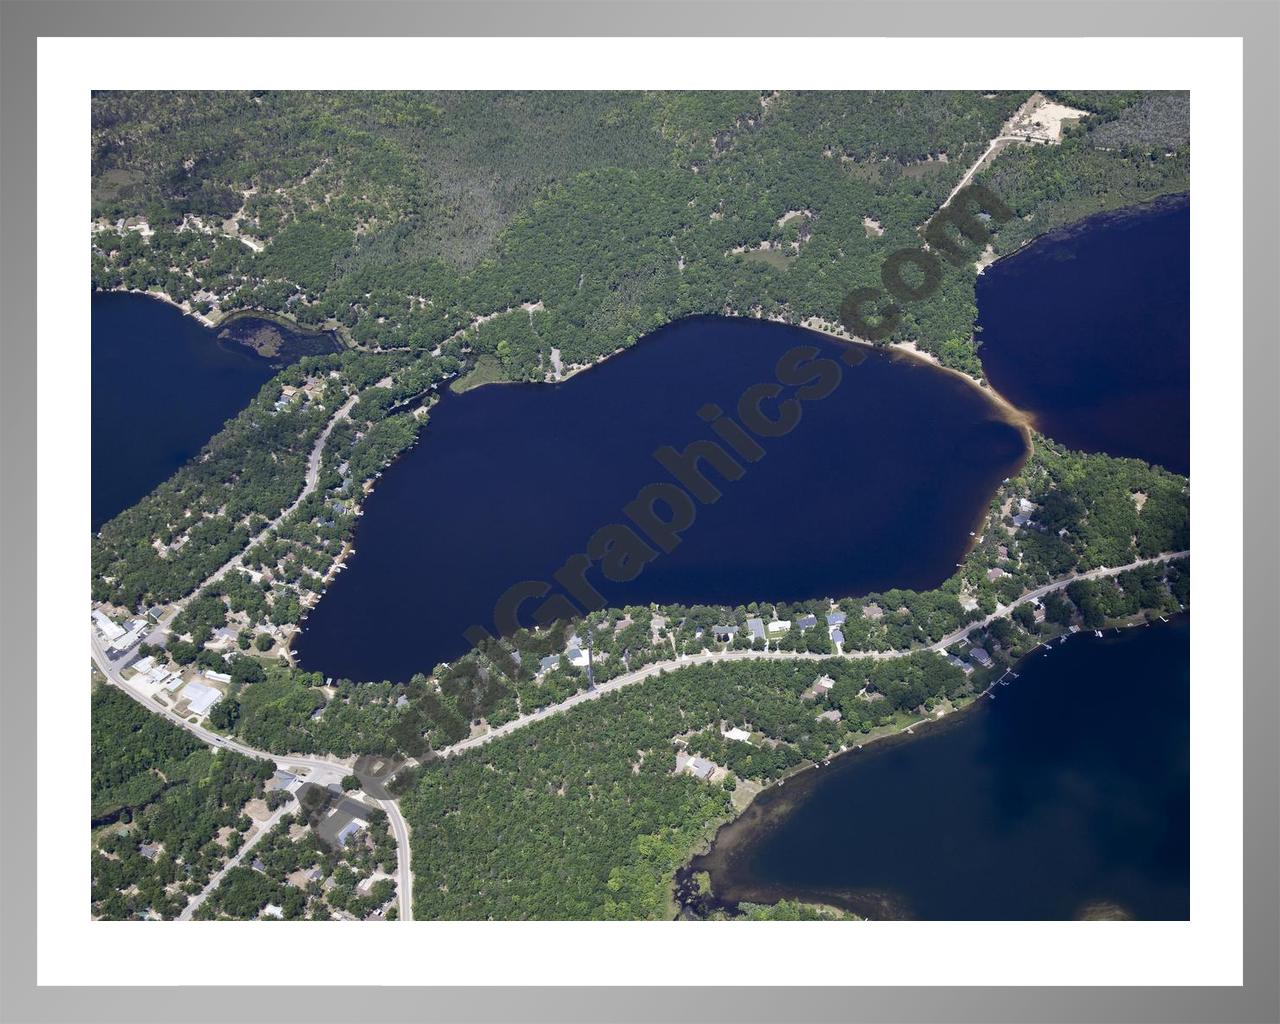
x=322, y=771
x=311, y=479
x=706, y=657
x=216, y=878
x=404, y=863
x=332, y=769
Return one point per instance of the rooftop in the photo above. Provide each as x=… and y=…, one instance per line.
x=201, y=698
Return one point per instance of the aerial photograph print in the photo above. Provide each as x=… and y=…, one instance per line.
x=644, y=505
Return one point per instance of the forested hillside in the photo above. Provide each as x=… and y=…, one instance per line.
x=405, y=218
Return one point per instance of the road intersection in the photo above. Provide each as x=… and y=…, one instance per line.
x=326, y=771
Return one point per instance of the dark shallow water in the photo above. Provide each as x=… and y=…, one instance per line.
x=1067, y=793
x=877, y=487
x=1088, y=329
x=163, y=384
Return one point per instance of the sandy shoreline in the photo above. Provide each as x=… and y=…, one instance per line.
x=908, y=349
x=164, y=297
x=949, y=717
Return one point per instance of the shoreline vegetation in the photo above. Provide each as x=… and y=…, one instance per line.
x=220, y=319
x=401, y=291
x=902, y=731
x=909, y=350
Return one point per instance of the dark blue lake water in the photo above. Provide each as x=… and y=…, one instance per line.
x=163, y=384
x=878, y=486
x=1088, y=329
x=1066, y=796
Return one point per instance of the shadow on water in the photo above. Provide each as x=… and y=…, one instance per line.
x=1065, y=798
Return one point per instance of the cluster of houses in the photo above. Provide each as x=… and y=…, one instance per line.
x=575, y=655
x=310, y=391
x=977, y=656
x=778, y=628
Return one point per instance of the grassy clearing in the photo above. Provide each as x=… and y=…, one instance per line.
x=487, y=371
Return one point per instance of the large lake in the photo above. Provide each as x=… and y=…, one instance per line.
x=1066, y=796
x=877, y=487
x=1088, y=329
x=163, y=384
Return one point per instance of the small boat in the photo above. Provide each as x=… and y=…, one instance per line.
x=1097, y=632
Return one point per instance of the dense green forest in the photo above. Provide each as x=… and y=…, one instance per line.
x=408, y=220
x=307, y=880
x=404, y=218
x=1091, y=510
x=465, y=237
x=155, y=785
x=583, y=815
x=420, y=224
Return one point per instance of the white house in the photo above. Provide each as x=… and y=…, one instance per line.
x=741, y=735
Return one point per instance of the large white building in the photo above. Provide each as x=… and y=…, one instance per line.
x=201, y=698
x=110, y=631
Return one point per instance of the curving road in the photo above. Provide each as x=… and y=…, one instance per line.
x=320, y=770
x=325, y=770
x=310, y=480
x=706, y=657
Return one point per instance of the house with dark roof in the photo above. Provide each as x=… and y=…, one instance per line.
x=981, y=657
x=756, y=628
x=835, y=618
x=806, y=621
